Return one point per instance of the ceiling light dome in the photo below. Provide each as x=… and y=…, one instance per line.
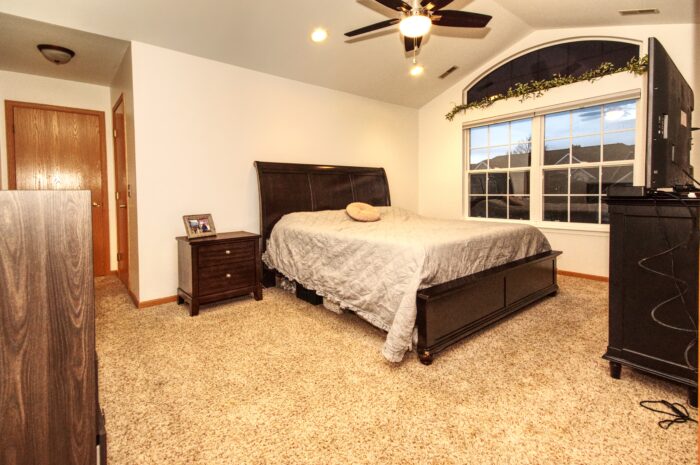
x=56, y=54
x=416, y=25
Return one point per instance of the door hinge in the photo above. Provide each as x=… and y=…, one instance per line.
x=115, y=133
x=119, y=256
x=116, y=194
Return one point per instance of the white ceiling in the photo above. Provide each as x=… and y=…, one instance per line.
x=550, y=14
x=273, y=35
x=96, y=60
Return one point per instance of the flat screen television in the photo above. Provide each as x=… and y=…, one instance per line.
x=669, y=111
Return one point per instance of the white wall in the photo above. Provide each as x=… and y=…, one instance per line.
x=200, y=124
x=48, y=91
x=440, y=141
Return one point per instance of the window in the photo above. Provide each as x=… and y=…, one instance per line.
x=585, y=151
x=572, y=58
x=582, y=152
x=499, y=170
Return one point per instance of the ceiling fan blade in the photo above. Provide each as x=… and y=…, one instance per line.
x=453, y=18
x=372, y=27
x=397, y=5
x=412, y=43
x=434, y=5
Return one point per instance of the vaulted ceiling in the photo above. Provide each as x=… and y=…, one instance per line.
x=272, y=36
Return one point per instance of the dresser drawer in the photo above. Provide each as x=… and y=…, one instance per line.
x=222, y=278
x=220, y=254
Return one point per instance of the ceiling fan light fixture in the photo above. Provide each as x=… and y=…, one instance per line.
x=415, y=25
x=56, y=54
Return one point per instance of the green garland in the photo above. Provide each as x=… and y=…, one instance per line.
x=535, y=88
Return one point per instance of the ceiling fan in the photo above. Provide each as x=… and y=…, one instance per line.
x=416, y=19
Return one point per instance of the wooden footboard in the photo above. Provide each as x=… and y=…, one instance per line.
x=452, y=311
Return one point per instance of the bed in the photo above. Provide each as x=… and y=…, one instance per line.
x=445, y=308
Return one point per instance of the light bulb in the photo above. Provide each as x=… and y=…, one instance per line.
x=415, y=26
x=416, y=70
x=319, y=35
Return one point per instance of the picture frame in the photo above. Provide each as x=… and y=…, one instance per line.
x=199, y=225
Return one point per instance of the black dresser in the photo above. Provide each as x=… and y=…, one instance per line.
x=645, y=333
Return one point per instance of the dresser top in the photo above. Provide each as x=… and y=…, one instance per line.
x=226, y=236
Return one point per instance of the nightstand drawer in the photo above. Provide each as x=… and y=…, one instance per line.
x=232, y=252
x=221, y=278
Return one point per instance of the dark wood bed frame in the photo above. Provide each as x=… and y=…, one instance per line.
x=447, y=312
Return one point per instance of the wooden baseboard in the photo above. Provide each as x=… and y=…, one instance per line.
x=592, y=277
x=134, y=299
x=153, y=303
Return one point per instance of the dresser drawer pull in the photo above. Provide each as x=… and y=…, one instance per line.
x=228, y=252
x=228, y=275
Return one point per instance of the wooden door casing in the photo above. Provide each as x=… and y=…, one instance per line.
x=61, y=148
x=122, y=190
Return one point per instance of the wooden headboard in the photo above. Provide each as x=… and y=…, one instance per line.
x=292, y=187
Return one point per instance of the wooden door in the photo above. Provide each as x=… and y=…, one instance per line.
x=58, y=148
x=122, y=191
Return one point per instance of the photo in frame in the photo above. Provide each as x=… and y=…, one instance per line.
x=199, y=226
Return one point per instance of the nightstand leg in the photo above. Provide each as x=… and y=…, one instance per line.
x=194, y=307
x=257, y=293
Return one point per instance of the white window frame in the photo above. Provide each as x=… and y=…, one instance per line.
x=537, y=157
x=507, y=170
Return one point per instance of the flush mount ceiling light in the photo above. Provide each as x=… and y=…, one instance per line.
x=319, y=35
x=56, y=54
x=415, y=25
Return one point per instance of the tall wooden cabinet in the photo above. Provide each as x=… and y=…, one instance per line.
x=48, y=380
x=644, y=334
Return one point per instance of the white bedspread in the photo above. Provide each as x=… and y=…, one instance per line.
x=376, y=268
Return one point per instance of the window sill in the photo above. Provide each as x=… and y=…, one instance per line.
x=574, y=228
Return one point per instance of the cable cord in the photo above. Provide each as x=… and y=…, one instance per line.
x=690, y=176
x=677, y=412
x=680, y=285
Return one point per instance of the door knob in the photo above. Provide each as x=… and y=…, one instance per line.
x=95, y=204
x=122, y=206
x=228, y=275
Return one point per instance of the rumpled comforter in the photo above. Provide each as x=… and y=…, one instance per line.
x=375, y=269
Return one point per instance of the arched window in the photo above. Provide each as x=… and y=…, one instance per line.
x=572, y=58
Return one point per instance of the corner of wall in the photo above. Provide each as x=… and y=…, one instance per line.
x=123, y=85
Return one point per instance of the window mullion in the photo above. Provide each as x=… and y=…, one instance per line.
x=536, y=176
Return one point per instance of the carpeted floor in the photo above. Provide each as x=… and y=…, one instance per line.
x=282, y=382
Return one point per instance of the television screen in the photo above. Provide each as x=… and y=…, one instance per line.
x=670, y=107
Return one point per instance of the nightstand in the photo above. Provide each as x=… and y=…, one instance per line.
x=218, y=267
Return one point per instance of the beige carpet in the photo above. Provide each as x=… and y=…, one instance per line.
x=282, y=382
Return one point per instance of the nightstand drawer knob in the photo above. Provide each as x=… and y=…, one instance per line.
x=228, y=252
x=228, y=275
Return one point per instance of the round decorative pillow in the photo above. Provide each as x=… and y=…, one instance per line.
x=360, y=211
